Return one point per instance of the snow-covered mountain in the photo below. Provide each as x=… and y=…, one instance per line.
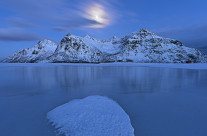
x=142, y=46
x=37, y=53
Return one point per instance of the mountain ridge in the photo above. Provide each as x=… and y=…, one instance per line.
x=140, y=47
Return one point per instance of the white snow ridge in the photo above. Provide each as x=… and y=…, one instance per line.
x=91, y=116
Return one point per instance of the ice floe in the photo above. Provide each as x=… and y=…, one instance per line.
x=91, y=116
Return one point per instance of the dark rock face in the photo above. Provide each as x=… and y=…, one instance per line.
x=35, y=52
x=73, y=49
x=142, y=46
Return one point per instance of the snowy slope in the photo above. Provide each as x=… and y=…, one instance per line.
x=104, y=46
x=203, y=49
x=85, y=49
x=74, y=49
x=143, y=46
x=39, y=52
x=91, y=116
x=146, y=46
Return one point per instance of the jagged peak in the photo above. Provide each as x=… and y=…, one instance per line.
x=144, y=33
x=46, y=42
x=114, y=37
x=69, y=34
x=144, y=30
x=70, y=37
x=87, y=36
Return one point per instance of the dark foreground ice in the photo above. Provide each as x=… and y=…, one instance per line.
x=160, y=101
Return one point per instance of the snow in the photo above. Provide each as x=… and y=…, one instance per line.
x=141, y=47
x=38, y=52
x=91, y=116
x=106, y=47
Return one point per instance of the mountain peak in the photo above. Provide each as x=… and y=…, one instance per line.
x=46, y=42
x=69, y=34
x=114, y=37
x=145, y=31
x=88, y=36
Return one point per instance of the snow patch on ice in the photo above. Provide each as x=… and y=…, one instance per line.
x=91, y=116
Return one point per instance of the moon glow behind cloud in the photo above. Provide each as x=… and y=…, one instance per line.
x=97, y=12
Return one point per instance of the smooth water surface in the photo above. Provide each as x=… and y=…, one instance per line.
x=159, y=101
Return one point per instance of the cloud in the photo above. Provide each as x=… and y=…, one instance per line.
x=57, y=13
x=19, y=22
x=194, y=30
x=16, y=34
x=194, y=36
x=63, y=25
x=52, y=15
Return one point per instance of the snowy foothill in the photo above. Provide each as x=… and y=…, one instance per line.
x=91, y=116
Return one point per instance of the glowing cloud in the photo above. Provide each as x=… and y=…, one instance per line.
x=97, y=12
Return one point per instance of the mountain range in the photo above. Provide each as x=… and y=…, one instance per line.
x=140, y=47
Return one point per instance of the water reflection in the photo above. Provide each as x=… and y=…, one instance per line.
x=109, y=79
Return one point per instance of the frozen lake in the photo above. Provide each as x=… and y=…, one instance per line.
x=161, y=100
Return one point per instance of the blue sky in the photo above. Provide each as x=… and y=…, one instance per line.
x=24, y=22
